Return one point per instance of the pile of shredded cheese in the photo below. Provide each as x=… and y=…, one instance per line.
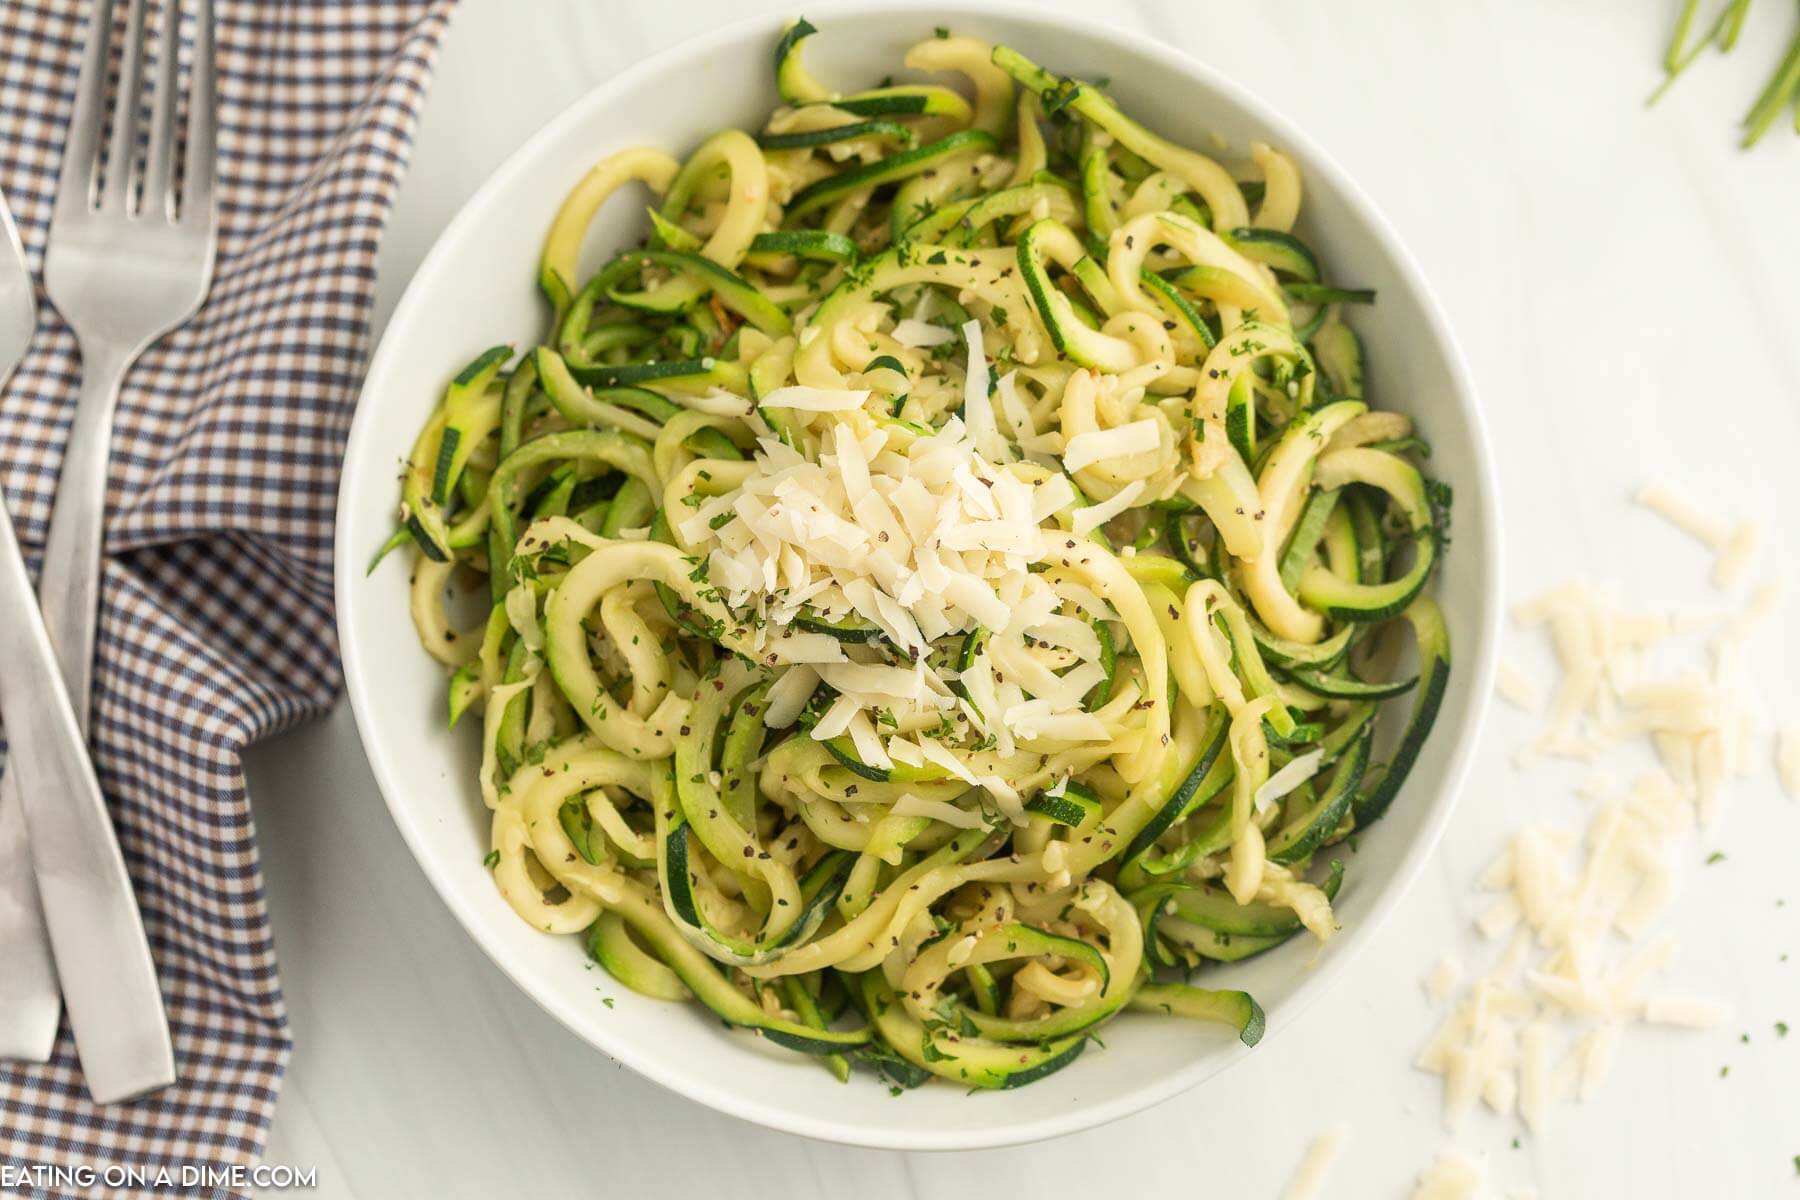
x=1577, y=907
x=924, y=537
x=1696, y=720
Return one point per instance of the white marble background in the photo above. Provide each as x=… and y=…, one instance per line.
x=1624, y=284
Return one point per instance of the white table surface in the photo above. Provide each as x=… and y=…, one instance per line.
x=1623, y=284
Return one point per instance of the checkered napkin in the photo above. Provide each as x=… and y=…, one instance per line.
x=216, y=622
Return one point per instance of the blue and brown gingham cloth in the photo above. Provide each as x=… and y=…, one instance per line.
x=216, y=622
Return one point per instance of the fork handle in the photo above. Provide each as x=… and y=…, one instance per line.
x=102, y=954
x=69, y=588
x=30, y=999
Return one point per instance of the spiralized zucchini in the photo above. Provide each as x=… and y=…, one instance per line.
x=955, y=888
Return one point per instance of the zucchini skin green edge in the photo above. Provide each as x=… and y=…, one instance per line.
x=1182, y=795
x=854, y=633
x=1073, y=807
x=1288, y=847
x=989, y=1065
x=681, y=895
x=1213, y=907
x=1237, y=1009
x=841, y=749
x=1322, y=683
x=1434, y=672
x=815, y=244
x=886, y=170
x=453, y=445
x=838, y=133
x=1157, y=900
x=702, y=977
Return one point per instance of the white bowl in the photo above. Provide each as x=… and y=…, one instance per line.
x=476, y=289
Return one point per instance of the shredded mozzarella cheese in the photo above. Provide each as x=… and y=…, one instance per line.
x=1548, y=1019
x=1787, y=760
x=1086, y=449
x=1095, y=515
x=522, y=615
x=1684, y=1011
x=788, y=695
x=1516, y=688
x=1287, y=779
x=1733, y=547
x=1309, y=1177
x=1665, y=502
x=1736, y=554
x=919, y=335
x=910, y=805
x=1443, y=978
x=816, y=399
x=1451, y=1176
x=922, y=538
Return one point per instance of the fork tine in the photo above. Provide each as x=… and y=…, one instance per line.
x=115, y=188
x=201, y=173
x=159, y=161
x=75, y=179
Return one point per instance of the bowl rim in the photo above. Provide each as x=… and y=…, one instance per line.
x=1444, y=794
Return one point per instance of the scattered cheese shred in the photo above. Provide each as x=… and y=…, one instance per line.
x=1287, y=779
x=1683, y=1011
x=910, y=805
x=1500, y=919
x=1598, y=1050
x=788, y=695
x=1787, y=760
x=1547, y=1020
x=1608, y=696
x=1012, y=407
x=978, y=404
x=816, y=399
x=1451, y=1176
x=1309, y=1176
x=1516, y=688
x=1666, y=502
x=1095, y=515
x=1086, y=449
x=920, y=335
x=1736, y=555
x=521, y=614
x=1443, y=978
x=1534, y=1076
x=1734, y=548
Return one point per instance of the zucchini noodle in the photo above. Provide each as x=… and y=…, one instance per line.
x=942, y=585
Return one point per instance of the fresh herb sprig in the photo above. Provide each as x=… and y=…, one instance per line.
x=1782, y=89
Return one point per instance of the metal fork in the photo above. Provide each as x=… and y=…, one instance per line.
x=130, y=258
